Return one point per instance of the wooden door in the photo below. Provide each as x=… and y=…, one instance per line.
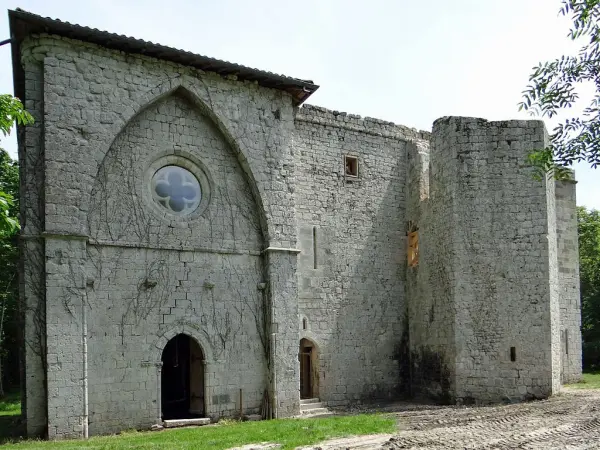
x=306, y=373
x=196, y=379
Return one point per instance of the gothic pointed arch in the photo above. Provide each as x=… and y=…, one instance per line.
x=185, y=87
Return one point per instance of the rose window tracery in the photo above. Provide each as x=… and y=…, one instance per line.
x=176, y=189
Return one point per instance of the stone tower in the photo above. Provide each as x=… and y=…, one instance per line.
x=486, y=300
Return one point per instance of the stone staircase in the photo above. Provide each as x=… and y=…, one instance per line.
x=312, y=407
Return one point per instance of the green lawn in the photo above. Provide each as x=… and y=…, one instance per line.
x=291, y=433
x=10, y=417
x=590, y=380
x=10, y=405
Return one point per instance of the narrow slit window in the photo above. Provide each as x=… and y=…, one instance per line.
x=567, y=342
x=304, y=323
x=351, y=166
x=513, y=354
x=314, y=247
x=413, y=249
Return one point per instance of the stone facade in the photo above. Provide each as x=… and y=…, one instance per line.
x=568, y=273
x=496, y=259
x=285, y=245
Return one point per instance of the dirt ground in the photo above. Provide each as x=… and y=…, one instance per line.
x=570, y=420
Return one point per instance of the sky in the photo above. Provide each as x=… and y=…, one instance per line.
x=404, y=61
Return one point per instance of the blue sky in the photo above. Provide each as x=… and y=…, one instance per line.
x=409, y=62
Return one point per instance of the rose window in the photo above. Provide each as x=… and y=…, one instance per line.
x=176, y=189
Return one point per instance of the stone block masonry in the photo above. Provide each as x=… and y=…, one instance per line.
x=197, y=244
x=430, y=352
x=568, y=274
x=143, y=274
x=500, y=250
x=351, y=291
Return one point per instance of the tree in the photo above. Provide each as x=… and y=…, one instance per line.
x=9, y=257
x=553, y=88
x=11, y=112
x=589, y=272
x=7, y=223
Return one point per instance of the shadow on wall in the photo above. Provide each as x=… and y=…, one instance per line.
x=428, y=370
x=369, y=244
x=369, y=350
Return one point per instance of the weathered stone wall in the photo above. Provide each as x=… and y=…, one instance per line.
x=207, y=269
x=109, y=120
x=431, y=314
x=283, y=246
x=568, y=272
x=352, y=294
x=65, y=300
x=32, y=277
x=212, y=297
x=504, y=265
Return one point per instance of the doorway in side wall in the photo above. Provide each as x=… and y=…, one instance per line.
x=182, y=379
x=309, y=369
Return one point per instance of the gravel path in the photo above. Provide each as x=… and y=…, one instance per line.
x=570, y=420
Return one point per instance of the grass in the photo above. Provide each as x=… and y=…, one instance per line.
x=10, y=405
x=290, y=433
x=589, y=380
x=10, y=416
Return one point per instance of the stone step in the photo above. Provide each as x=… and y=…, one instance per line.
x=253, y=417
x=308, y=406
x=306, y=401
x=174, y=423
x=315, y=411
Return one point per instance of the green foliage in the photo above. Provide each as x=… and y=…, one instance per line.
x=8, y=224
x=589, y=274
x=553, y=88
x=543, y=164
x=290, y=433
x=9, y=179
x=11, y=112
x=9, y=257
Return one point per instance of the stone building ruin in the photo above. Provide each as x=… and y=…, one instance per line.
x=198, y=242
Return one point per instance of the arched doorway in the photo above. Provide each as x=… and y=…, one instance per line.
x=309, y=369
x=182, y=379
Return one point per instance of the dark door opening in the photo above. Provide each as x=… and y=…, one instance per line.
x=182, y=380
x=309, y=371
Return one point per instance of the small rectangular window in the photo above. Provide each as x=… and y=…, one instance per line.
x=314, y=247
x=413, y=249
x=513, y=354
x=351, y=166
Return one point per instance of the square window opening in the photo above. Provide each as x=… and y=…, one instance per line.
x=351, y=166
